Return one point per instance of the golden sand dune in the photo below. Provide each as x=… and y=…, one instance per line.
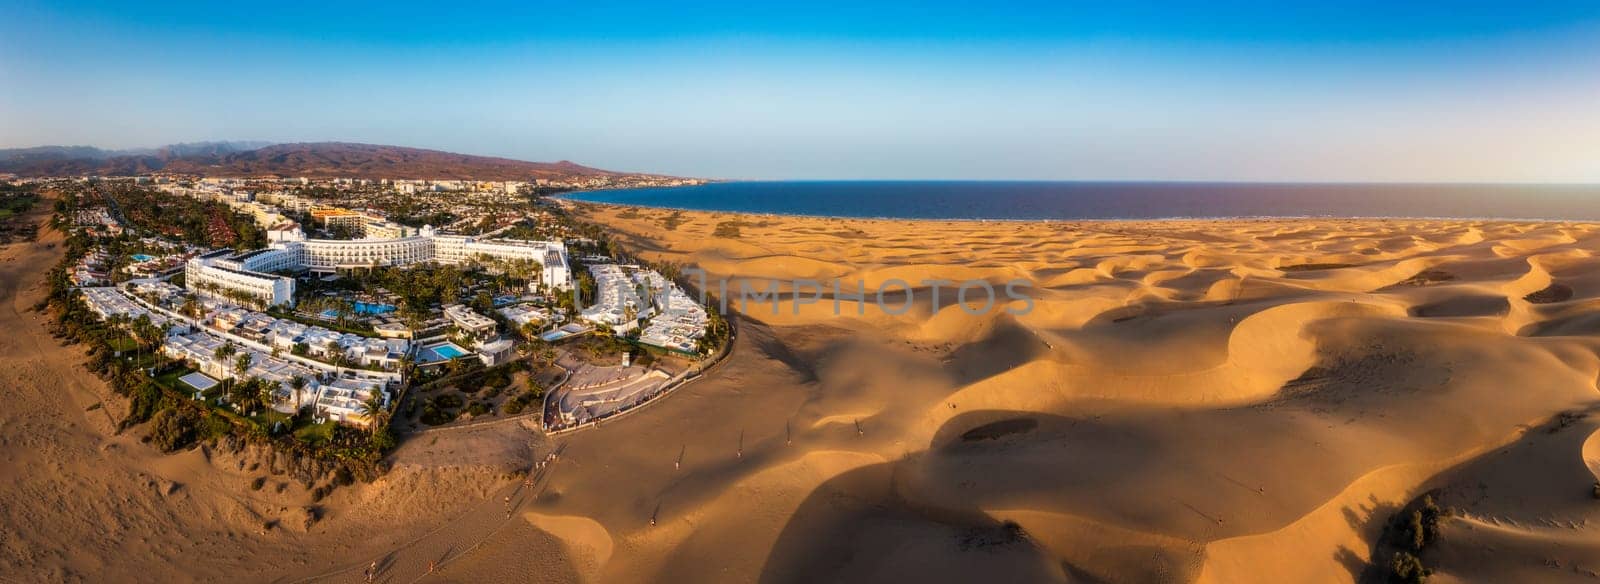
x=1217, y=401
x=1244, y=406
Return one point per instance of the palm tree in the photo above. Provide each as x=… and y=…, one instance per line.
x=164, y=330
x=140, y=330
x=341, y=360
x=373, y=411
x=242, y=394
x=298, y=383
x=241, y=364
x=266, y=393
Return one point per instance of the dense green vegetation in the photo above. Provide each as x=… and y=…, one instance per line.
x=727, y=229
x=1409, y=532
x=15, y=201
x=209, y=223
x=126, y=354
x=236, y=414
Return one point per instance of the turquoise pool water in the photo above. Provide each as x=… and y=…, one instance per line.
x=373, y=308
x=361, y=309
x=440, y=352
x=139, y=257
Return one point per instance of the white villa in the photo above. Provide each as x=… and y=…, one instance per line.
x=615, y=295
x=520, y=315
x=471, y=323
x=341, y=400
x=679, y=322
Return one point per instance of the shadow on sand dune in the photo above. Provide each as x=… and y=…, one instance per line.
x=838, y=535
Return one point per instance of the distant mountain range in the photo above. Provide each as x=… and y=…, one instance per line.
x=315, y=160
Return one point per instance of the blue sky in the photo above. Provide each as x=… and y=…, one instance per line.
x=1384, y=91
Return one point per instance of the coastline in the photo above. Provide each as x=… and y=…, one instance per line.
x=567, y=200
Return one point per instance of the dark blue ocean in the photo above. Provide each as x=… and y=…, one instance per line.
x=1117, y=200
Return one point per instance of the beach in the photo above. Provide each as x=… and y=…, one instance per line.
x=1185, y=400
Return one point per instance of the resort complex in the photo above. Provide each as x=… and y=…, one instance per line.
x=255, y=276
x=342, y=324
x=640, y=301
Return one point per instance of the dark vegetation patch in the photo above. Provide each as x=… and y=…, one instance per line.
x=1550, y=294
x=728, y=229
x=442, y=409
x=521, y=401
x=1005, y=534
x=1408, y=533
x=672, y=221
x=1426, y=278
x=1361, y=373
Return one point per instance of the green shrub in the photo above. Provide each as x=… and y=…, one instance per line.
x=1422, y=526
x=146, y=401
x=513, y=406
x=1406, y=568
x=448, y=401
x=434, y=416
x=172, y=429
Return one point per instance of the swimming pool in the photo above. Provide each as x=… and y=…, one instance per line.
x=373, y=308
x=139, y=257
x=440, y=352
x=448, y=351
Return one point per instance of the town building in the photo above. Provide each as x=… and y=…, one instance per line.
x=470, y=323
x=241, y=277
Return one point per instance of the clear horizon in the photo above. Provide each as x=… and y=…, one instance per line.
x=1366, y=92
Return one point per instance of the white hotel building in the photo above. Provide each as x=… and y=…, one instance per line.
x=246, y=271
x=216, y=273
x=330, y=255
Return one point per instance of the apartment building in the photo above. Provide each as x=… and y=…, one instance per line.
x=222, y=274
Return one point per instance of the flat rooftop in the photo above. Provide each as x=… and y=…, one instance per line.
x=199, y=381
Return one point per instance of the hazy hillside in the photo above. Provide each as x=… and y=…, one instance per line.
x=320, y=159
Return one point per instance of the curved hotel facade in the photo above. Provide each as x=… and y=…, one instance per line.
x=329, y=255
x=250, y=272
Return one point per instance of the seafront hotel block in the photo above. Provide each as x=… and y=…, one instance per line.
x=330, y=255
x=215, y=273
x=219, y=272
